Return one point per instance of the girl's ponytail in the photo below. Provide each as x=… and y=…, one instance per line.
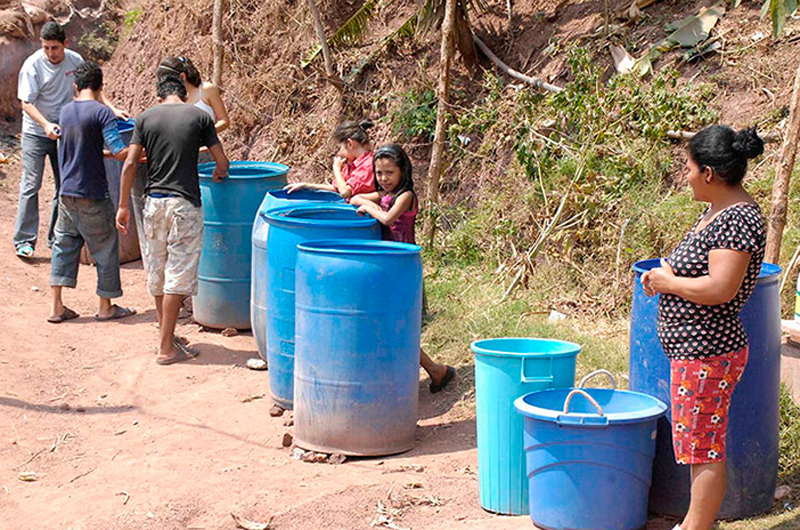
x=352, y=130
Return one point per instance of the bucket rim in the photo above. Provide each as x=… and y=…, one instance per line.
x=656, y=409
x=358, y=247
x=769, y=271
x=281, y=215
x=270, y=170
x=479, y=347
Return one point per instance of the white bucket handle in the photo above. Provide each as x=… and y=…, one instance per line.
x=584, y=394
x=601, y=371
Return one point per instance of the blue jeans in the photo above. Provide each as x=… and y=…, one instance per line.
x=34, y=151
x=91, y=221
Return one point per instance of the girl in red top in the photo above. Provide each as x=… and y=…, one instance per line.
x=395, y=206
x=352, y=165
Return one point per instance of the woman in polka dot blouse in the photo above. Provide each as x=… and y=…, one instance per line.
x=703, y=285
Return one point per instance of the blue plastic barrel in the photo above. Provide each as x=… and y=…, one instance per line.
x=506, y=369
x=258, y=289
x=128, y=243
x=229, y=208
x=589, y=464
x=289, y=226
x=359, y=315
x=752, y=443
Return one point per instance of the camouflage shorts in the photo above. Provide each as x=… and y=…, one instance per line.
x=173, y=229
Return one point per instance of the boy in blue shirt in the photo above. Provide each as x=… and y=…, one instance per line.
x=85, y=212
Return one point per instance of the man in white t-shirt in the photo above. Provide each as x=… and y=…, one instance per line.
x=45, y=85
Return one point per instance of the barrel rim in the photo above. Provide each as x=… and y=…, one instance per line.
x=769, y=271
x=657, y=408
x=271, y=170
x=358, y=247
x=283, y=194
x=125, y=124
x=571, y=349
x=278, y=216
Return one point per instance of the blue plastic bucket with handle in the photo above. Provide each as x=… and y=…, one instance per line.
x=589, y=457
x=506, y=369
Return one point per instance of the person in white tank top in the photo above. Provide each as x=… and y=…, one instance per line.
x=205, y=96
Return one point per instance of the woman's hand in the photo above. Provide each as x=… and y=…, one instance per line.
x=658, y=280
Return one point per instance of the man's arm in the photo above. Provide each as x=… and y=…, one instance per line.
x=221, y=169
x=50, y=129
x=117, y=112
x=126, y=184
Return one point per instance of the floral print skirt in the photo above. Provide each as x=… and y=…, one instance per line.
x=701, y=391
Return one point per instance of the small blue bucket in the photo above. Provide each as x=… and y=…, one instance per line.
x=506, y=369
x=589, y=457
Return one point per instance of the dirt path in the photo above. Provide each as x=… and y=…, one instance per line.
x=117, y=442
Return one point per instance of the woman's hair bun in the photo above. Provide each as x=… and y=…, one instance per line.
x=366, y=124
x=748, y=143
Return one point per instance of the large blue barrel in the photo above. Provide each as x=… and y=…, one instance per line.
x=752, y=443
x=229, y=208
x=289, y=226
x=506, y=369
x=359, y=312
x=258, y=289
x=589, y=457
x=128, y=243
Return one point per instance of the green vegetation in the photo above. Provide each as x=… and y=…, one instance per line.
x=100, y=42
x=415, y=118
x=132, y=17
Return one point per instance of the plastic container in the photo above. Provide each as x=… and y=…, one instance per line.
x=752, y=443
x=359, y=312
x=258, y=289
x=589, y=456
x=229, y=209
x=289, y=226
x=506, y=369
x=129, y=249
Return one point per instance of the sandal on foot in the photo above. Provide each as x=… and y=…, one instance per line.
x=119, y=312
x=184, y=354
x=68, y=314
x=25, y=251
x=449, y=375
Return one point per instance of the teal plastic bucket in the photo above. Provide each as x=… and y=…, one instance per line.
x=506, y=369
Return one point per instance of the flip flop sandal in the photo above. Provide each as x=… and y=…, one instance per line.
x=184, y=354
x=68, y=314
x=119, y=312
x=449, y=375
x=25, y=251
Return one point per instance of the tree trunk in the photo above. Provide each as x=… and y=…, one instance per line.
x=503, y=67
x=216, y=37
x=440, y=136
x=323, y=42
x=780, y=188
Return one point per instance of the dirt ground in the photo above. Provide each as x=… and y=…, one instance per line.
x=117, y=442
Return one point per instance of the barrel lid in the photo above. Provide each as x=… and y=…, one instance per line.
x=524, y=347
x=359, y=246
x=768, y=270
x=617, y=406
x=243, y=170
x=329, y=215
